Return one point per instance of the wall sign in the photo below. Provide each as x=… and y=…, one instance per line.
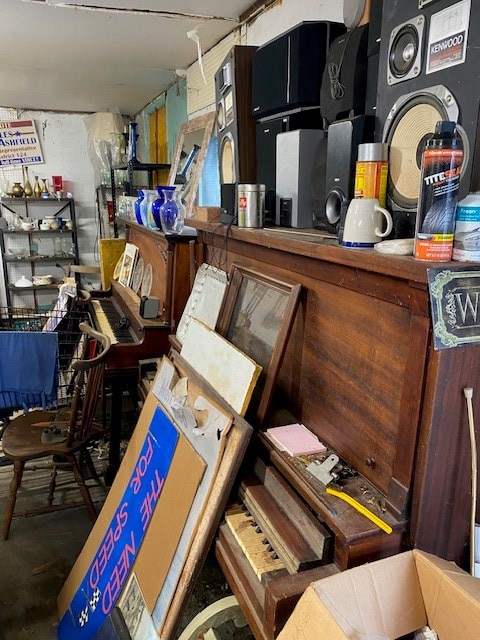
x=455, y=303
x=19, y=143
x=109, y=570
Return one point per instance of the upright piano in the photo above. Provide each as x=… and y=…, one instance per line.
x=117, y=313
x=362, y=373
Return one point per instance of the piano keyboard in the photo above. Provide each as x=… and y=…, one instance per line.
x=253, y=542
x=108, y=321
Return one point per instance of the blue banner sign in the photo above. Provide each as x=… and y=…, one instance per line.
x=98, y=593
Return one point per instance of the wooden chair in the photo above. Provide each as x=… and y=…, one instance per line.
x=32, y=436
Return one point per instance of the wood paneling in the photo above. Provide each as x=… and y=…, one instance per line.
x=360, y=371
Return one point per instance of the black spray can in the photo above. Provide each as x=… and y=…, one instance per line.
x=439, y=184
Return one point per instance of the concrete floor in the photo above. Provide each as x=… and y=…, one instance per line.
x=40, y=553
x=36, y=559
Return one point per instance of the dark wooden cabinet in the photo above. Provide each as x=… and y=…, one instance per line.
x=172, y=259
x=362, y=373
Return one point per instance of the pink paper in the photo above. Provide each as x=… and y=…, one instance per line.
x=295, y=439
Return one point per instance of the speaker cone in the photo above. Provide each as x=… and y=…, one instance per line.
x=404, y=51
x=410, y=123
x=227, y=159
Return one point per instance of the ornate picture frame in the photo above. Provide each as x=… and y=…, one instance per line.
x=256, y=316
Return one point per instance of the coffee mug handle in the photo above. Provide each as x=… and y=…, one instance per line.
x=388, y=217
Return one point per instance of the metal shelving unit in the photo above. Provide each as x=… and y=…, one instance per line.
x=36, y=252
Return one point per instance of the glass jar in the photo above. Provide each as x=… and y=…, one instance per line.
x=58, y=247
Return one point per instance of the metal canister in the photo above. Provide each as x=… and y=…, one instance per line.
x=466, y=241
x=251, y=205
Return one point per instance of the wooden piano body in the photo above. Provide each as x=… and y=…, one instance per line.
x=361, y=372
x=171, y=259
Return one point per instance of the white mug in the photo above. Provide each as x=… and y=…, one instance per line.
x=363, y=223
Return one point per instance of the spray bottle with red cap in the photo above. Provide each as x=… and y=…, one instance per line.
x=439, y=184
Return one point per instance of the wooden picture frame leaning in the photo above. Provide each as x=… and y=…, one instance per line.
x=195, y=132
x=256, y=316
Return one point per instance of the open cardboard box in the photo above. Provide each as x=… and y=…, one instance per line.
x=390, y=597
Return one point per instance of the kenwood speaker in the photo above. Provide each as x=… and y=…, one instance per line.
x=287, y=71
x=296, y=152
x=344, y=78
x=343, y=139
x=235, y=125
x=266, y=144
x=429, y=70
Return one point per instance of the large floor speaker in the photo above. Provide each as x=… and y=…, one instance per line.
x=235, y=124
x=429, y=70
x=296, y=153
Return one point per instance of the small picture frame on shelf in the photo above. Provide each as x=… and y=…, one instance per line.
x=128, y=264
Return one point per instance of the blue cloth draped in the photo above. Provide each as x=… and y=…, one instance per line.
x=28, y=369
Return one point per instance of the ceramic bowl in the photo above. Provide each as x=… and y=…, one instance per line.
x=23, y=282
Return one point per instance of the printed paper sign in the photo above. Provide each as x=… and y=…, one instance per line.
x=19, y=143
x=447, y=38
x=99, y=590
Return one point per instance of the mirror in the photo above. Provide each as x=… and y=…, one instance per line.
x=190, y=151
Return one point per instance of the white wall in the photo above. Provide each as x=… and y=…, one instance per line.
x=286, y=14
x=280, y=17
x=63, y=138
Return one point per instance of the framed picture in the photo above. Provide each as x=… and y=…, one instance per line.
x=256, y=316
x=128, y=264
x=188, y=159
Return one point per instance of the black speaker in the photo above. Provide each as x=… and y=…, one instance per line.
x=228, y=201
x=429, y=70
x=374, y=27
x=287, y=71
x=266, y=144
x=235, y=124
x=343, y=139
x=344, y=80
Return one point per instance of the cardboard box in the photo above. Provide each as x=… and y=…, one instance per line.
x=391, y=597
